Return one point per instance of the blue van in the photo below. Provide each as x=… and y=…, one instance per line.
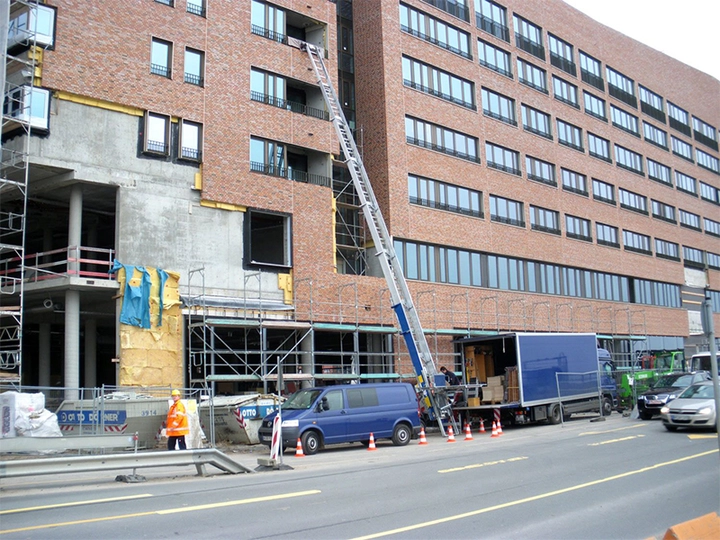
x=346, y=413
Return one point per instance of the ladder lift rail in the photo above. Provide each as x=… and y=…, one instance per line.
x=405, y=311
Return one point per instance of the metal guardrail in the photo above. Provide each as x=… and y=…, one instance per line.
x=79, y=464
x=50, y=444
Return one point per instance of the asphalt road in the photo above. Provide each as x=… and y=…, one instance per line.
x=622, y=478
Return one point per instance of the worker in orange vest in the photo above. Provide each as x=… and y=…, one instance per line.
x=177, y=423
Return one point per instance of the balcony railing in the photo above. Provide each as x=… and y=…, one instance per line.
x=508, y=220
x=157, y=69
x=70, y=261
x=191, y=78
x=437, y=93
x=500, y=117
x=443, y=149
x=530, y=46
x=545, y=228
x=679, y=126
x=568, y=66
x=504, y=168
x=452, y=7
x=291, y=174
x=704, y=139
x=492, y=27
x=592, y=79
x=531, y=84
x=268, y=34
x=622, y=95
x=648, y=109
x=290, y=105
x=496, y=68
x=437, y=42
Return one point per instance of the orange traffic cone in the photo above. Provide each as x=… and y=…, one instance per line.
x=499, y=428
x=298, y=449
x=423, y=440
x=482, y=426
x=494, y=430
x=371, y=446
x=451, y=436
x=468, y=433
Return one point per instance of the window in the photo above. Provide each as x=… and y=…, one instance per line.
x=170, y=3
x=658, y=172
x=709, y=193
x=565, y=92
x=438, y=83
x=494, y=58
x=267, y=88
x=711, y=227
x=456, y=8
x=532, y=76
x=439, y=264
x=161, y=58
x=663, y=211
x=442, y=139
x=681, y=148
x=679, y=119
x=435, y=194
x=667, y=250
x=632, y=201
x=542, y=219
x=591, y=71
x=499, y=107
x=607, y=235
x=194, y=67
x=578, y=228
x=653, y=293
x=651, y=103
x=574, y=181
x=689, y=220
x=625, y=121
x=268, y=21
x=621, y=87
x=706, y=161
x=655, y=136
x=599, y=147
x=639, y=243
x=713, y=260
x=196, y=7
x=595, y=106
x=502, y=159
x=602, y=191
x=627, y=159
x=685, y=183
x=492, y=18
x=536, y=122
x=31, y=24
x=528, y=37
x=705, y=133
x=540, y=171
x=693, y=257
x=190, y=145
x=506, y=211
x=157, y=133
x=561, y=55
x=569, y=135
x=268, y=240
x=268, y=157
x=434, y=31
x=30, y=105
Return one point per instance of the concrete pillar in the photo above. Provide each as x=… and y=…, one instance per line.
x=90, y=353
x=75, y=227
x=72, y=344
x=44, y=355
x=306, y=357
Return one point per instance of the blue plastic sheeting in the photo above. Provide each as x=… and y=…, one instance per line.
x=135, y=309
x=163, y=278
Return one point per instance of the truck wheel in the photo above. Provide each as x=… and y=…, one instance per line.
x=645, y=415
x=554, y=414
x=401, y=435
x=310, y=442
x=607, y=407
x=670, y=428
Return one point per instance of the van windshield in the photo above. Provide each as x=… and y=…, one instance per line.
x=301, y=400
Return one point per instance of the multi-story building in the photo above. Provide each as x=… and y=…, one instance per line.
x=176, y=210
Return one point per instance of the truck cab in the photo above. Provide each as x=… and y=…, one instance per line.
x=607, y=381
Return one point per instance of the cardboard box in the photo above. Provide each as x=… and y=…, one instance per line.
x=495, y=381
x=474, y=402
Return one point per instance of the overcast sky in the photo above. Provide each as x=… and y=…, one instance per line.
x=688, y=30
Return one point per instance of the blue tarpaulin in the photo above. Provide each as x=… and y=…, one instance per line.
x=135, y=309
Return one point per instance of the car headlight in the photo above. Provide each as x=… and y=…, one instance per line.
x=705, y=410
x=665, y=410
x=290, y=423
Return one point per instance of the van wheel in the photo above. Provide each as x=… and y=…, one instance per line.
x=607, y=407
x=554, y=414
x=670, y=428
x=401, y=435
x=310, y=442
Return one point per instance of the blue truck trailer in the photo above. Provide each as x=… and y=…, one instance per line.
x=532, y=377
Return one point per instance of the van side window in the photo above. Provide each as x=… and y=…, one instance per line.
x=334, y=400
x=362, y=397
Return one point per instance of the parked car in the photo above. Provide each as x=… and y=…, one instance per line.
x=694, y=407
x=665, y=389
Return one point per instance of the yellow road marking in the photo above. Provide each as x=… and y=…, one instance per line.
x=616, y=440
x=529, y=499
x=76, y=503
x=699, y=436
x=163, y=512
x=634, y=426
x=478, y=465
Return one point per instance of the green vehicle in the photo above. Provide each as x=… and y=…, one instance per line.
x=648, y=367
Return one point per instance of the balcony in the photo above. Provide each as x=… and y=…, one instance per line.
x=293, y=106
x=68, y=262
x=622, y=95
x=651, y=111
x=592, y=79
x=530, y=46
x=490, y=26
x=566, y=65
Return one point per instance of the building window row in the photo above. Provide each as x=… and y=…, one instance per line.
x=434, y=31
x=443, y=196
x=437, y=82
x=444, y=264
x=162, y=138
x=456, y=8
x=441, y=139
x=161, y=56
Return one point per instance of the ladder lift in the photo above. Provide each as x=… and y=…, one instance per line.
x=429, y=380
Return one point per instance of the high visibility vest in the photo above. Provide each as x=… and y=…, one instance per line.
x=177, y=420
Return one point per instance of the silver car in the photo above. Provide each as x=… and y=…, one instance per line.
x=695, y=407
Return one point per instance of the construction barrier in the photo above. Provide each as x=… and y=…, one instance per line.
x=705, y=527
